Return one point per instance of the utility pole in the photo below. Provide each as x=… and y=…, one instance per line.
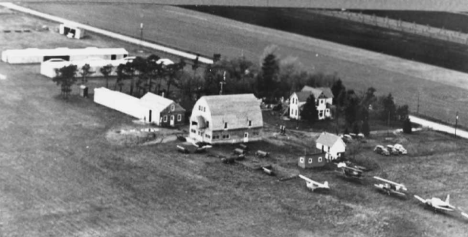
x=388, y=123
x=417, y=110
x=222, y=82
x=141, y=35
x=456, y=123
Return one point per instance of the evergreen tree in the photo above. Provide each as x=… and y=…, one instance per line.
x=402, y=112
x=407, y=127
x=65, y=78
x=388, y=108
x=85, y=73
x=270, y=70
x=106, y=71
x=365, y=128
x=309, y=110
x=337, y=90
x=351, y=108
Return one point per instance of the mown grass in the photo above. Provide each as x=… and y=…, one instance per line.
x=61, y=177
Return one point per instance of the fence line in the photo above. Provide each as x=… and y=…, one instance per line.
x=408, y=27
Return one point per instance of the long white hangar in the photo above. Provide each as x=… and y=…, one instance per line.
x=34, y=55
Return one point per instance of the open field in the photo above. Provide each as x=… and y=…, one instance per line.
x=61, y=176
x=441, y=92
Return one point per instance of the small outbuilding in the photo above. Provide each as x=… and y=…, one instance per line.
x=331, y=144
x=71, y=31
x=313, y=160
x=162, y=111
x=227, y=119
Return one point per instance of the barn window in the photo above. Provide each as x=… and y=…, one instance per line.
x=207, y=124
x=320, y=159
x=179, y=117
x=165, y=118
x=204, y=109
x=250, y=123
x=193, y=131
x=172, y=107
x=225, y=125
x=193, y=122
x=207, y=136
x=301, y=159
x=311, y=160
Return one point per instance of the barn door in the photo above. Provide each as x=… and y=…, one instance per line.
x=246, y=137
x=150, y=116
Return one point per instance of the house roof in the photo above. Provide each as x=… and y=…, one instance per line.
x=327, y=91
x=328, y=139
x=303, y=96
x=236, y=110
x=156, y=102
x=316, y=91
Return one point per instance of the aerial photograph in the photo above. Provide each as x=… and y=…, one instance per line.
x=275, y=118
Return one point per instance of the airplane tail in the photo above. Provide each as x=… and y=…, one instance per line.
x=325, y=185
x=447, y=200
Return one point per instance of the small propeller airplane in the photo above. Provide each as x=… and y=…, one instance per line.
x=390, y=187
x=437, y=204
x=349, y=172
x=312, y=185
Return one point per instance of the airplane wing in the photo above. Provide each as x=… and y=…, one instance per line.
x=397, y=185
x=420, y=199
x=443, y=208
x=386, y=181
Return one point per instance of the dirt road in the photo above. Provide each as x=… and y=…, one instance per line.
x=438, y=126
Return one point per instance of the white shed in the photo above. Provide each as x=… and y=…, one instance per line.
x=331, y=144
x=121, y=102
x=48, y=67
x=34, y=55
x=71, y=31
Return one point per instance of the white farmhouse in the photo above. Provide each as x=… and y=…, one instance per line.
x=331, y=144
x=226, y=119
x=323, y=101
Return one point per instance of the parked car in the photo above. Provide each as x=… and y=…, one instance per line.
x=392, y=150
x=347, y=138
x=401, y=149
x=379, y=149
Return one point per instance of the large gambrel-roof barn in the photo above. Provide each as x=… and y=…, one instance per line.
x=227, y=119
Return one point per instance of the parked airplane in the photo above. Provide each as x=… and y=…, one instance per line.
x=437, y=204
x=390, y=187
x=350, y=172
x=312, y=185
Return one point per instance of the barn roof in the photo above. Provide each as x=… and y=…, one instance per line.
x=236, y=110
x=328, y=139
x=156, y=102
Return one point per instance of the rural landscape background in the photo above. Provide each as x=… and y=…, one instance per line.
x=63, y=174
